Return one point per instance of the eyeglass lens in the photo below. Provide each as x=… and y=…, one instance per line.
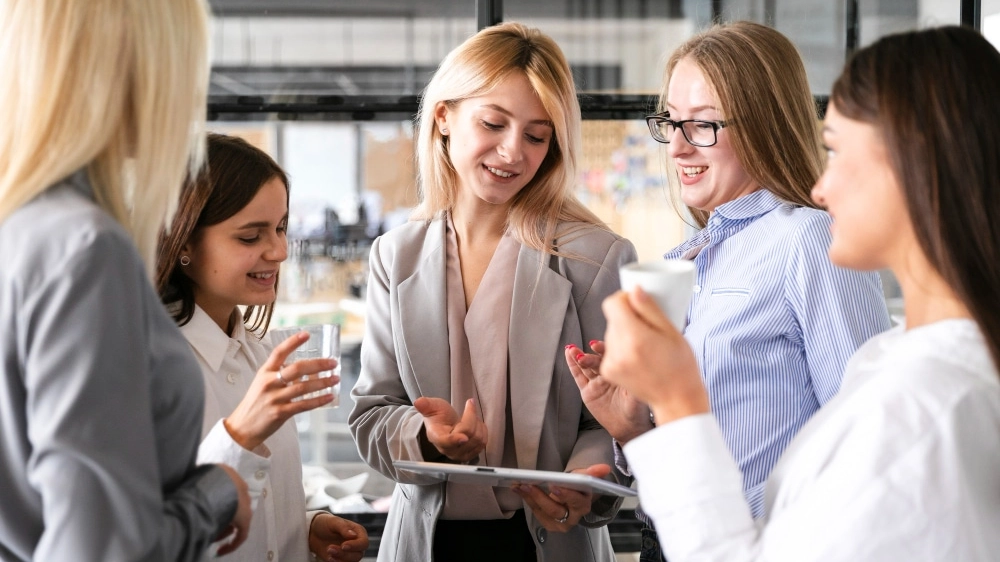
x=698, y=133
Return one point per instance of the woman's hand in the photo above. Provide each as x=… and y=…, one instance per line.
x=647, y=356
x=268, y=403
x=624, y=417
x=239, y=527
x=560, y=509
x=461, y=439
x=335, y=539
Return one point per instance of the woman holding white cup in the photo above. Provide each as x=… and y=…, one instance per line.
x=771, y=321
x=223, y=251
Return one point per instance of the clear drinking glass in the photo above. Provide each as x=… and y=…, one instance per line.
x=323, y=342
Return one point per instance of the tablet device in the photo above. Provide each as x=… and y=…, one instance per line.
x=505, y=477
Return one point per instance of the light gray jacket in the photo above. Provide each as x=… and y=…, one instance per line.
x=405, y=355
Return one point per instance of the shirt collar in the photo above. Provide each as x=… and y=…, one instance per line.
x=748, y=206
x=726, y=220
x=209, y=341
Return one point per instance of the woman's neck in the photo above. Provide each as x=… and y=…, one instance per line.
x=479, y=223
x=224, y=318
x=927, y=297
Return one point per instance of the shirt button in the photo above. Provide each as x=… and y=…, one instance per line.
x=697, y=289
x=716, y=222
x=270, y=555
x=541, y=534
x=259, y=475
x=231, y=378
x=264, y=492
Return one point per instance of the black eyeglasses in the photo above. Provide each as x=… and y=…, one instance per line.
x=695, y=131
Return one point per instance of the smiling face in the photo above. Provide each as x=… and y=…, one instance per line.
x=235, y=262
x=871, y=228
x=497, y=141
x=710, y=176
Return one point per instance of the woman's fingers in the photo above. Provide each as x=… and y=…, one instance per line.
x=281, y=351
x=557, y=512
x=646, y=308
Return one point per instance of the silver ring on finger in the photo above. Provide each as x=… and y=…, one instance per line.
x=564, y=518
x=281, y=378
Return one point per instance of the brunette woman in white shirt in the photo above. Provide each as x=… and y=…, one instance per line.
x=903, y=463
x=223, y=251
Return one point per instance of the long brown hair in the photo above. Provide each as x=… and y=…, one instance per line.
x=234, y=173
x=760, y=82
x=935, y=97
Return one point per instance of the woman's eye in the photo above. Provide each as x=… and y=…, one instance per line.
x=491, y=126
x=250, y=240
x=703, y=125
x=534, y=140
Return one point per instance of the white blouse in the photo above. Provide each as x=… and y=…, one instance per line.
x=903, y=464
x=273, y=471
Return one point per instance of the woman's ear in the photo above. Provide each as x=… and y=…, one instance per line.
x=441, y=114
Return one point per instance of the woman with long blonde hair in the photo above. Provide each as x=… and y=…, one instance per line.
x=102, y=103
x=469, y=306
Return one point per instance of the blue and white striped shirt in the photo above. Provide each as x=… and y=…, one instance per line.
x=772, y=323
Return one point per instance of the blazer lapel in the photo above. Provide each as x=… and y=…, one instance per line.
x=537, y=314
x=422, y=305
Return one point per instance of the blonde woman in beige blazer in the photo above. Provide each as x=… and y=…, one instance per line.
x=470, y=306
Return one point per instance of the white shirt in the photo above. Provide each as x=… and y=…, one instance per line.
x=903, y=464
x=273, y=471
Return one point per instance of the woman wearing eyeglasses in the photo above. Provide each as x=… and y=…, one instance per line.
x=772, y=322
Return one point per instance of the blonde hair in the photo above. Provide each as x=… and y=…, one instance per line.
x=763, y=93
x=473, y=69
x=116, y=87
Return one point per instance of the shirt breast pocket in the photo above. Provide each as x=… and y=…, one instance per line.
x=730, y=292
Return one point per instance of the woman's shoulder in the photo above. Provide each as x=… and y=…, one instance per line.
x=408, y=233
x=936, y=365
x=588, y=239
x=797, y=218
x=60, y=227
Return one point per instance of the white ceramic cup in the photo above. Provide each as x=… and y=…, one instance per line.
x=323, y=343
x=669, y=282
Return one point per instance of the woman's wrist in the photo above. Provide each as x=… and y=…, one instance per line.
x=671, y=410
x=241, y=439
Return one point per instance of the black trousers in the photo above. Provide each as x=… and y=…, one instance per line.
x=490, y=540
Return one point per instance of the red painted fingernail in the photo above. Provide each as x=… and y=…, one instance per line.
x=592, y=342
x=579, y=356
x=570, y=346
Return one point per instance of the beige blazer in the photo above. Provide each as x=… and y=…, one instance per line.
x=405, y=355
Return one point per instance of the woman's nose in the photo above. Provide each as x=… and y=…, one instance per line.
x=278, y=249
x=679, y=144
x=510, y=149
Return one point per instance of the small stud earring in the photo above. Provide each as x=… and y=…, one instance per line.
x=185, y=260
x=444, y=131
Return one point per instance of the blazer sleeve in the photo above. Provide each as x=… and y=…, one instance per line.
x=384, y=423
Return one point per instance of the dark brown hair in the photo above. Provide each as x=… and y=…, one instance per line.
x=760, y=82
x=934, y=95
x=235, y=171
